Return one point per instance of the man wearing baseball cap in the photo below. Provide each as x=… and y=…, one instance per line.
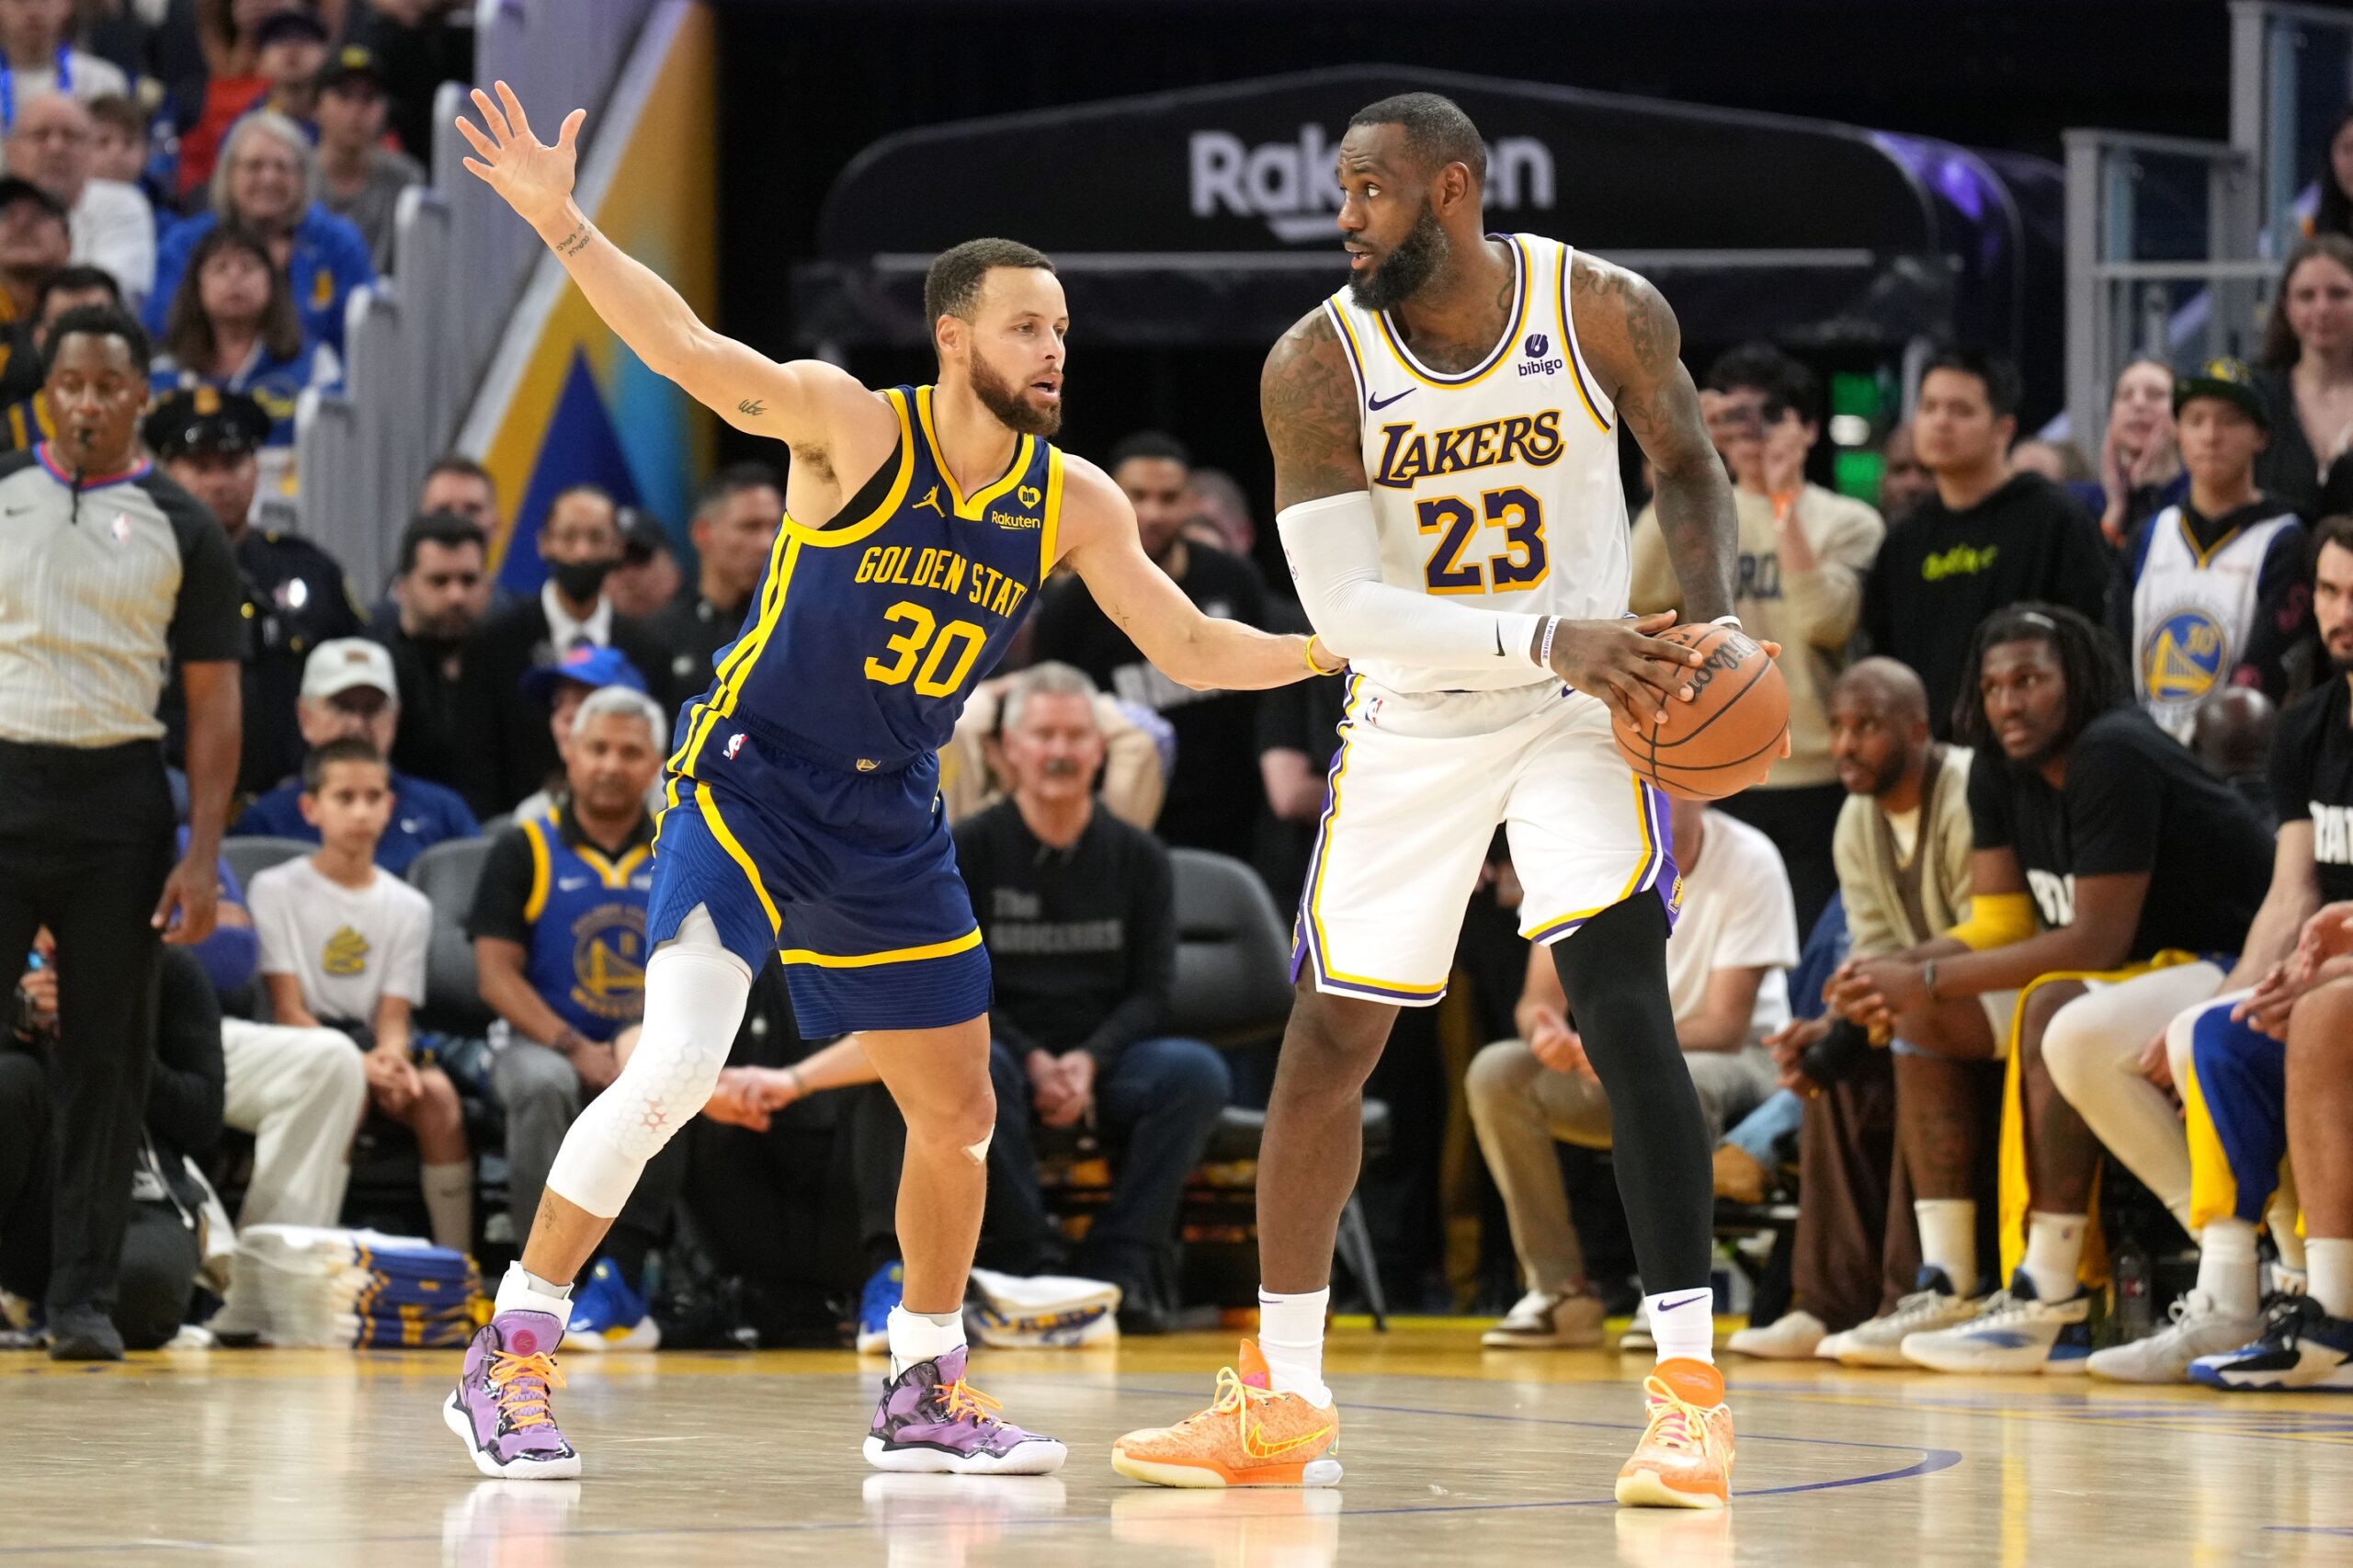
x=2217, y=579
x=298, y=595
x=348, y=689
x=359, y=177
x=35, y=241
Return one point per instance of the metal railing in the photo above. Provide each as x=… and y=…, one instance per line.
x=417, y=342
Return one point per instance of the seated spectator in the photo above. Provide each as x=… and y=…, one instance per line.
x=647, y=580
x=1803, y=554
x=231, y=325
x=359, y=177
x=1724, y=962
x=110, y=223
x=2102, y=848
x=203, y=110
x=343, y=946
x=2306, y=376
x=2233, y=737
x=269, y=185
x=581, y=543
x=436, y=605
x=2229, y=1057
x=421, y=44
x=38, y=58
x=1988, y=538
x=734, y=529
x=1904, y=481
x=1219, y=497
x=1078, y=910
x=2139, y=465
x=1216, y=742
x=34, y=243
x=457, y=485
x=1137, y=744
x=350, y=693
x=119, y=149
x=289, y=51
x=161, y=1251
x=298, y=598
x=1866, y=1274
x=26, y=419
x=561, y=688
x=2214, y=593
x=558, y=926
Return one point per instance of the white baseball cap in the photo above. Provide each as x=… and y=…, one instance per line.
x=347, y=662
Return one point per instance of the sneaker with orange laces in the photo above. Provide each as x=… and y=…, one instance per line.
x=1249, y=1436
x=931, y=1420
x=1684, y=1458
x=500, y=1405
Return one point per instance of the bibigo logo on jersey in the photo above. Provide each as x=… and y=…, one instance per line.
x=1290, y=183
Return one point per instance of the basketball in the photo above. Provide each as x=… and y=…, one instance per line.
x=1728, y=735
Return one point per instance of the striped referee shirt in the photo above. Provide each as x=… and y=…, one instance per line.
x=102, y=587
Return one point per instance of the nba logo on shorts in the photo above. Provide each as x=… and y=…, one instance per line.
x=734, y=744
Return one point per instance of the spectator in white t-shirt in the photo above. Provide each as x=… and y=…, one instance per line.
x=53, y=144
x=1736, y=935
x=343, y=946
x=37, y=57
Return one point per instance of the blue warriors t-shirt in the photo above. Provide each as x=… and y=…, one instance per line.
x=586, y=951
x=868, y=633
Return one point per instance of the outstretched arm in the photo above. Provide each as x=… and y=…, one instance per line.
x=1192, y=649
x=1631, y=337
x=745, y=388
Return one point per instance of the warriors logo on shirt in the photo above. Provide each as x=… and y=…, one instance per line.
x=2182, y=658
x=346, y=954
x=609, y=961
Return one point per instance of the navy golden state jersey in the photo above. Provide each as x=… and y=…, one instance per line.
x=868, y=633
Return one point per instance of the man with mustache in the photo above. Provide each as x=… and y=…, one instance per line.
x=803, y=818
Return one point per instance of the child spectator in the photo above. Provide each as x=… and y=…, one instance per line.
x=343, y=946
x=231, y=325
x=359, y=177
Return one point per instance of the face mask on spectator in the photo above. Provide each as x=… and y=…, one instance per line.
x=579, y=580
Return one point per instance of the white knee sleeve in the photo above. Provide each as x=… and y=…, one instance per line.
x=695, y=991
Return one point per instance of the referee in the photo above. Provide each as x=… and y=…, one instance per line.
x=109, y=573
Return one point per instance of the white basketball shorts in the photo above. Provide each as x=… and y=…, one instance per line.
x=1419, y=788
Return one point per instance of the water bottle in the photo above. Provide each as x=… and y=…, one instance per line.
x=2130, y=1283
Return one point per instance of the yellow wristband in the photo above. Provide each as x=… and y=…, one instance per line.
x=1307, y=652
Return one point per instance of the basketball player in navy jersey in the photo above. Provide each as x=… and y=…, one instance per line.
x=1445, y=435
x=802, y=815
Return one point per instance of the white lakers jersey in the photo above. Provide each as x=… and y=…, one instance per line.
x=2193, y=611
x=1499, y=483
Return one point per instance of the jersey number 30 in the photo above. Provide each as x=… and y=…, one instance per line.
x=1451, y=518
x=954, y=648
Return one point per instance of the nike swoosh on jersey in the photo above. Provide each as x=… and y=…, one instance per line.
x=1378, y=403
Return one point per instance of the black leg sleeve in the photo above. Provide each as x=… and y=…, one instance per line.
x=27, y=1166
x=1614, y=972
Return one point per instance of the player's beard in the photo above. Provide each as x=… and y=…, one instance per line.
x=1397, y=276
x=1003, y=399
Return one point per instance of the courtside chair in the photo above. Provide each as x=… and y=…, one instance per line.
x=1233, y=988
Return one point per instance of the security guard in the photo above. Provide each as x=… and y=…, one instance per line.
x=297, y=596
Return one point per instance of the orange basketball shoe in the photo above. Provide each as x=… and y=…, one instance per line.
x=1684, y=1458
x=1249, y=1436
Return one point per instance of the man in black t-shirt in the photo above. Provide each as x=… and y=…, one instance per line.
x=2110, y=874
x=1985, y=538
x=1214, y=791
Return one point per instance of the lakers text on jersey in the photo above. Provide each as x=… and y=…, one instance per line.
x=802, y=803
x=1497, y=485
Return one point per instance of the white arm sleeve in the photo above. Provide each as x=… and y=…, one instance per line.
x=1333, y=548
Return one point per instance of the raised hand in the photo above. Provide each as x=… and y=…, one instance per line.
x=533, y=177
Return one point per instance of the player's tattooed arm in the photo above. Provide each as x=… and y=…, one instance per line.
x=1630, y=333
x=1308, y=399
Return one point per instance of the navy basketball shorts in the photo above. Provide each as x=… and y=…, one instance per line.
x=850, y=877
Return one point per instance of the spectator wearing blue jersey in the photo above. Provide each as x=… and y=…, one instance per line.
x=267, y=181
x=348, y=688
x=231, y=325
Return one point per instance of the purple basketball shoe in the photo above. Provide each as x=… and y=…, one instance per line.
x=500, y=1405
x=931, y=1419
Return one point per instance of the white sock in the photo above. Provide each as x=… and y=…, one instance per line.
x=1683, y=1323
x=1949, y=1239
x=523, y=1292
x=2331, y=1273
x=449, y=1203
x=923, y=1336
x=1291, y=1336
x=2226, y=1266
x=2290, y=1245
x=2054, y=1252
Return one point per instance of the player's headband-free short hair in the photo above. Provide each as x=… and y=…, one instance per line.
x=1437, y=130
x=952, y=286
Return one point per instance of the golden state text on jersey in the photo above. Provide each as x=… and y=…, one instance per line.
x=869, y=632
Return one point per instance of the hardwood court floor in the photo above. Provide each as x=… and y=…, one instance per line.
x=1454, y=1456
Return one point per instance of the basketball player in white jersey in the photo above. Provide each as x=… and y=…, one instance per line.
x=1445, y=467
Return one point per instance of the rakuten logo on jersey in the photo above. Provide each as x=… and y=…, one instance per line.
x=1290, y=183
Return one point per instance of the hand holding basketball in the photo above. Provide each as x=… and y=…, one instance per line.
x=1625, y=663
x=534, y=179
x=1732, y=727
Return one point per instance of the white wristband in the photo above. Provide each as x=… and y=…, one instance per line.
x=1731, y=621
x=1544, y=649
